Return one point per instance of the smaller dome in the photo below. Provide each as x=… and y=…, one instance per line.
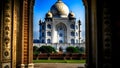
x=71, y=15
x=49, y=15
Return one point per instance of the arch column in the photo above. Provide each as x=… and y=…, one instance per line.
x=26, y=52
x=98, y=34
x=16, y=33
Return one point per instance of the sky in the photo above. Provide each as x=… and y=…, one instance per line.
x=41, y=7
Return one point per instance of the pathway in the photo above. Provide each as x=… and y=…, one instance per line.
x=58, y=65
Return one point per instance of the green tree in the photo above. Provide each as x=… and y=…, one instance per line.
x=72, y=50
x=47, y=49
x=35, y=50
x=82, y=50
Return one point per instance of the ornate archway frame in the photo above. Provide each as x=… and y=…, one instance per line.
x=16, y=26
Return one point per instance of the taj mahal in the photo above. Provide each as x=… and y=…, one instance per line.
x=59, y=28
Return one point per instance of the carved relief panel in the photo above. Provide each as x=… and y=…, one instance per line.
x=6, y=35
x=107, y=51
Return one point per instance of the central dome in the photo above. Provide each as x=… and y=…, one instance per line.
x=59, y=9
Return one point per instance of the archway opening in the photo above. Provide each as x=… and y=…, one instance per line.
x=40, y=10
x=61, y=32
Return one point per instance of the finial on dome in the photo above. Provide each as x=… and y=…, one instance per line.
x=59, y=0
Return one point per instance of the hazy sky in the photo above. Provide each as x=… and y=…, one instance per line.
x=41, y=7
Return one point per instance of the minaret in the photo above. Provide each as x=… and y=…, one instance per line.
x=40, y=30
x=79, y=23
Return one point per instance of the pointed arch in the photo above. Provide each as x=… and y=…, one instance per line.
x=61, y=32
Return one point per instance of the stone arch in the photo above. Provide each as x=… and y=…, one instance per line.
x=62, y=25
x=61, y=32
x=16, y=34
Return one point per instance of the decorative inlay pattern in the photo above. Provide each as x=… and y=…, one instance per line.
x=6, y=36
x=6, y=65
x=6, y=53
x=7, y=20
x=107, y=38
x=7, y=15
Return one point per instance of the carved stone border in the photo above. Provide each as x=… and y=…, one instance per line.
x=6, y=65
x=107, y=51
x=6, y=40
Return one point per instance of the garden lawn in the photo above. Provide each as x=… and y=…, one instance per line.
x=59, y=61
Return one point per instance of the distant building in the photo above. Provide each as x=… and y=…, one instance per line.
x=59, y=27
